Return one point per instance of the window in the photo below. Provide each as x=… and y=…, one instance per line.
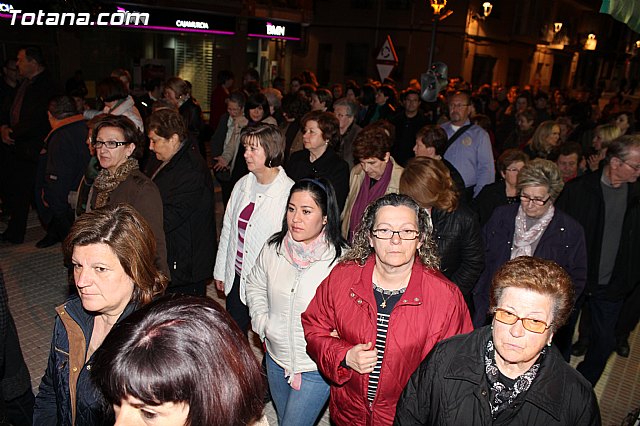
x=356, y=60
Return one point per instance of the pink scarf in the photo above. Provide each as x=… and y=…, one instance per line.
x=368, y=194
x=303, y=255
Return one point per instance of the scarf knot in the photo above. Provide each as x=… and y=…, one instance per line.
x=524, y=238
x=106, y=182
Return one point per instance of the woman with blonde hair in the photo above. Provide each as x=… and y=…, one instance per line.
x=602, y=135
x=544, y=140
x=455, y=227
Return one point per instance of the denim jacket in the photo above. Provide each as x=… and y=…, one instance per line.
x=67, y=395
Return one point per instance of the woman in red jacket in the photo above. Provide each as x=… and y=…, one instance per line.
x=380, y=311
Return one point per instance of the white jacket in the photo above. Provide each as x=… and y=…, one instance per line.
x=277, y=294
x=265, y=221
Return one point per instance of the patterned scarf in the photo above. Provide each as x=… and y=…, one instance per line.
x=501, y=395
x=523, y=237
x=106, y=182
x=368, y=194
x=303, y=255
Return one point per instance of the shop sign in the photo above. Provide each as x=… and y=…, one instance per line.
x=273, y=29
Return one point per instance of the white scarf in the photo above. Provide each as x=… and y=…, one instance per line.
x=523, y=238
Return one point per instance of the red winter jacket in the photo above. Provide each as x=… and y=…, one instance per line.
x=431, y=309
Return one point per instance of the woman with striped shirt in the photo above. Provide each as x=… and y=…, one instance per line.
x=380, y=311
x=254, y=213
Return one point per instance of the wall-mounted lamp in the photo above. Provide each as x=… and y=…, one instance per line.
x=591, y=42
x=438, y=5
x=638, y=44
x=487, y=7
x=557, y=26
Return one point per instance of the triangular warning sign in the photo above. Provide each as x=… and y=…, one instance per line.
x=387, y=52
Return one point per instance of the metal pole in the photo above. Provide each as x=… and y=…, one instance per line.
x=433, y=39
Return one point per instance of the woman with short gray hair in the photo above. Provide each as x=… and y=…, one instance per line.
x=534, y=228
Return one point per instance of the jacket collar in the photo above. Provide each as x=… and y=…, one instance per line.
x=273, y=190
x=546, y=391
x=64, y=122
x=73, y=307
x=412, y=296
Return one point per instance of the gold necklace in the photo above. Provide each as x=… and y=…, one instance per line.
x=392, y=293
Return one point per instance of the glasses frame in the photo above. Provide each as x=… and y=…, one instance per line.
x=375, y=232
x=635, y=167
x=98, y=144
x=525, y=321
x=527, y=199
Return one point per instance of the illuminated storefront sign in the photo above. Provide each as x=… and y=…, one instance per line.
x=273, y=29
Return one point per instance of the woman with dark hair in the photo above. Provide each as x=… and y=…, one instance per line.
x=380, y=311
x=508, y=372
x=624, y=121
x=384, y=106
x=117, y=101
x=319, y=158
x=294, y=107
x=186, y=189
x=375, y=175
x=367, y=100
x=178, y=92
x=111, y=253
x=253, y=214
x=322, y=100
x=180, y=361
x=455, y=227
x=118, y=145
x=283, y=281
x=533, y=227
x=503, y=191
x=256, y=110
x=431, y=142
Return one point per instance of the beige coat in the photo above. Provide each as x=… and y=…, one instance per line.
x=355, y=182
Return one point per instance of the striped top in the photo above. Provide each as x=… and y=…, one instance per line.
x=385, y=301
x=243, y=221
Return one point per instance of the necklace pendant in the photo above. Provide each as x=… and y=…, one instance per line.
x=383, y=304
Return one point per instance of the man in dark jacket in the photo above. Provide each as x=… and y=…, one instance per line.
x=24, y=134
x=607, y=204
x=66, y=161
x=407, y=122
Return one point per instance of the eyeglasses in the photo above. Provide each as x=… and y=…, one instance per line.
x=635, y=167
x=343, y=115
x=536, y=201
x=529, y=324
x=107, y=144
x=387, y=234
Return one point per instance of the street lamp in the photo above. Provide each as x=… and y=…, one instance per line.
x=437, y=6
x=557, y=26
x=487, y=7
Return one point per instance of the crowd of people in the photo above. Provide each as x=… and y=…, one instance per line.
x=405, y=262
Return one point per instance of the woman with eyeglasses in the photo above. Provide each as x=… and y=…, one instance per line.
x=533, y=228
x=506, y=373
x=503, y=191
x=380, y=311
x=118, y=145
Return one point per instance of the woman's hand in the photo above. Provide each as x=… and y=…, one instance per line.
x=594, y=161
x=362, y=358
x=219, y=285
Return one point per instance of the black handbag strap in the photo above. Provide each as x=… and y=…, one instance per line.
x=456, y=135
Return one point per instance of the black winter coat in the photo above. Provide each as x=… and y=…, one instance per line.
x=329, y=166
x=186, y=189
x=450, y=388
x=583, y=200
x=457, y=235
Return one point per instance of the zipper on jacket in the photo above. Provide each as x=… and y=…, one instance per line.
x=292, y=345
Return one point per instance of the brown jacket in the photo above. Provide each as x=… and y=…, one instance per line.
x=143, y=195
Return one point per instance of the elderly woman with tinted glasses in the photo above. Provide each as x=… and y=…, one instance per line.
x=506, y=373
x=380, y=311
x=533, y=228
